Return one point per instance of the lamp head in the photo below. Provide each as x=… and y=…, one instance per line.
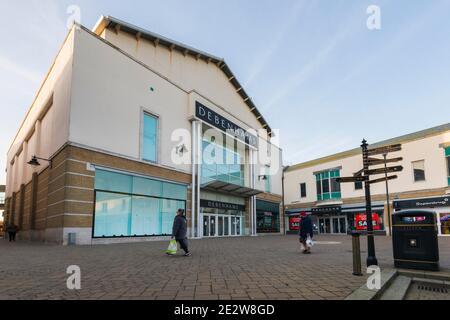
x=34, y=162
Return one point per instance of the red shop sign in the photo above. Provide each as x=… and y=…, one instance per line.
x=294, y=223
x=361, y=221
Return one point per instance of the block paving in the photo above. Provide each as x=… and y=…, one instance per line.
x=262, y=268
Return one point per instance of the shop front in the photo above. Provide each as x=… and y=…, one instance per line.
x=340, y=220
x=440, y=205
x=329, y=220
x=267, y=217
x=293, y=219
x=129, y=205
x=357, y=217
x=222, y=219
x=227, y=204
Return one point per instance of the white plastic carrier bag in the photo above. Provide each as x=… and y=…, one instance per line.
x=172, y=249
x=309, y=241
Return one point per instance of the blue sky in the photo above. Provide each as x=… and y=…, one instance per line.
x=313, y=68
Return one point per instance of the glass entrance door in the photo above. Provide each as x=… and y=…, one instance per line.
x=209, y=226
x=233, y=226
x=226, y=226
x=217, y=225
x=238, y=226
x=220, y=226
x=343, y=225
x=324, y=225
x=212, y=226
x=335, y=225
x=339, y=225
x=205, y=226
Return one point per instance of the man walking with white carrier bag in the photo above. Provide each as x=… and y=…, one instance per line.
x=306, y=233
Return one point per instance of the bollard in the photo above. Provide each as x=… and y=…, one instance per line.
x=356, y=249
x=72, y=239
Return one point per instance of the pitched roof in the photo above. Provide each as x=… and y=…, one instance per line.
x=349, y=153
x=111, y=22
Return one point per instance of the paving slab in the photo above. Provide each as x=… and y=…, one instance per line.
x=263, y=267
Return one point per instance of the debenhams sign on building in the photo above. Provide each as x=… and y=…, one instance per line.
x=225, y=125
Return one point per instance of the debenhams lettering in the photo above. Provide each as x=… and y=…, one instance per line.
x=221, y=205
x=216, y=120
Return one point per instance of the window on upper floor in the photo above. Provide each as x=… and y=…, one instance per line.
x=419, y=170
x=327, y=186
x=222, y=162
x=447, y=156
x=267, y=181
x=302, y=190
x=150, y=138
x=358, y=185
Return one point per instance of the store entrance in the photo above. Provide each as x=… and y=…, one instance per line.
x=333, y=225
x=221, y=225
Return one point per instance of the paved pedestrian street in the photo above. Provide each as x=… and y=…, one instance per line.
x=265, y=267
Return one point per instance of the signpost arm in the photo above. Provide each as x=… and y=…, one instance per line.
x=387, y=194
x=371, y=258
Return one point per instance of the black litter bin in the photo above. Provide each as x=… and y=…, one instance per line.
x=415, y=240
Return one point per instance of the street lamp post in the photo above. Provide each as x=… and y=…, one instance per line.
x=387, y=194
x=282, y=199
x=371, y=258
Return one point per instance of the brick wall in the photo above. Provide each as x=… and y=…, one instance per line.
x=60, y=199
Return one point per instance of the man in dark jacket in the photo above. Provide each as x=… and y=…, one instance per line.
x=306, y=229
x=179, y=231
x=12, y=230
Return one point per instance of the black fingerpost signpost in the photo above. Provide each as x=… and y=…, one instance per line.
x=371, y=257
x=363, y=175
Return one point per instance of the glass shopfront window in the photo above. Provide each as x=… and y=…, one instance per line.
x=358, y=221
x=444, y=221
x=294, y=223
x=112, y=214
x=128, y=206
x=267, y=217
x=146, y=217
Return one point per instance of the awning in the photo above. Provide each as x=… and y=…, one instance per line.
x=234, y=189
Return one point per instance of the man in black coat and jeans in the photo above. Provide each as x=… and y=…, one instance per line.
x=306, y=229
x=179, y=231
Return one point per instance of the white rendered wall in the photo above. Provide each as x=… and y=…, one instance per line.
x=55, y=130
x=427, y=149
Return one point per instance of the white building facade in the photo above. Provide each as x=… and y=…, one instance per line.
x=120, y=127
x=311, y=187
